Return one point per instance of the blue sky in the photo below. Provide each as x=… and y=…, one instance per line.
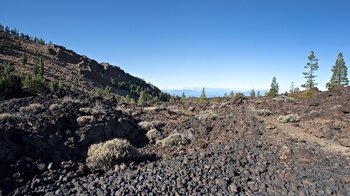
x=197, y=43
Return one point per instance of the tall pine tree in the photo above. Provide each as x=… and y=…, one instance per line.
x=311, y=66
x=252, y=93
x=273, y=92
x=340, y=73
x=203, y=94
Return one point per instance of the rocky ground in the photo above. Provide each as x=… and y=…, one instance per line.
x=260, y=146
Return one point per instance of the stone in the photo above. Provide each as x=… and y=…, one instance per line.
x=270, y=126
x=290, y=118
x=232, y=188
x=344, y=142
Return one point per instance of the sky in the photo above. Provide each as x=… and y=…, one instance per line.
x=230, y=44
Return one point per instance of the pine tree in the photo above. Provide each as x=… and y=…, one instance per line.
x=7, y=30
x=340, y=73
x=311, y=66
x=203, y=94
x=172, y=99
x=292, y=89
x=132, y=101
x=258, y=94
x=127, y=99
x=24, y=59
x=52, y=86
x=252, y=93
x=41, y=65
x=38, y=68
x=183, y=96
x=232, y=94
x=274, y=88
x=113, y=81
x=142, y=98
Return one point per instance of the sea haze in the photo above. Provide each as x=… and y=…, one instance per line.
x=210, y=92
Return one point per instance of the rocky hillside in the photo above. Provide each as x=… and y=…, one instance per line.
x=62, y=65
x=228, y=146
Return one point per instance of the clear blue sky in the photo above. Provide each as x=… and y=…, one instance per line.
x=195, y=43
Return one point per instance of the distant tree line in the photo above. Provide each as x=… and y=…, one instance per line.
x=339, y=76
x=14, y=32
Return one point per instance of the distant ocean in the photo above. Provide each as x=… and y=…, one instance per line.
x=210, y=92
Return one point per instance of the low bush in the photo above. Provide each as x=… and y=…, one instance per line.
x=105, y=155
x=175, y=139
x=55, y=107
x=84, y=120
x=32, y=108
x=5, y=117
x=88, y=111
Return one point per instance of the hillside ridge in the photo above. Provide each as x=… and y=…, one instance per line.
x=63, y=65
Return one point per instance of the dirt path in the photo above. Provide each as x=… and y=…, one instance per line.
x=299, y=134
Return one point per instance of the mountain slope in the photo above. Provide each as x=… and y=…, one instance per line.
x=62, y=65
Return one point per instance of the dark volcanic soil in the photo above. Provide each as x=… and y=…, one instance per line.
x=230, y=147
